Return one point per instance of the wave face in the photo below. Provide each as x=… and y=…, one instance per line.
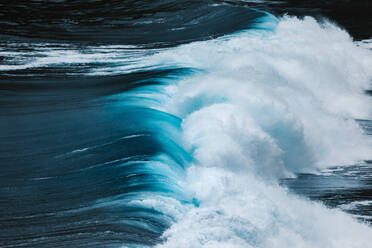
x=271, y=103
x=175, y=125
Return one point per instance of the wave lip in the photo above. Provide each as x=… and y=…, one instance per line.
x=271, y=103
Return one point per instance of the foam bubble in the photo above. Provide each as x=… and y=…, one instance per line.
x=302, y=85
x=240, y=211
x=264, y=105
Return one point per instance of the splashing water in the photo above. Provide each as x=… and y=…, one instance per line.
x=264, y=104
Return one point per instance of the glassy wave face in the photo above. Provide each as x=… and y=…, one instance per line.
x=182, y=124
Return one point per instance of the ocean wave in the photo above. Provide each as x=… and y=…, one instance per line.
x=271, y=102
x=183, y=145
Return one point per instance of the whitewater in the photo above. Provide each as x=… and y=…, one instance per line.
x=257, y=106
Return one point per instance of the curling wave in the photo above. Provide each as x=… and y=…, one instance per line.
x=274, y=101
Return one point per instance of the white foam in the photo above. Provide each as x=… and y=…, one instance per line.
x=365, y=43
x=266, y=104
x=301, y=86
x=240, y=211
x=125, y=58
x=355, y=205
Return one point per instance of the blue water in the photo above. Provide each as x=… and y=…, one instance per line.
x=190, y=124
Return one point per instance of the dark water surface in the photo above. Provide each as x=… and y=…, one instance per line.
x=75, y=149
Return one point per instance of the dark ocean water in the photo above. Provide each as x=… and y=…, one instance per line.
x=122, y=120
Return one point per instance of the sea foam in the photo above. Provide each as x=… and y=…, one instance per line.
x=261, y=105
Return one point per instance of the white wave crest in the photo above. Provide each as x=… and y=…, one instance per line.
x=267, y=104
x=300, y=88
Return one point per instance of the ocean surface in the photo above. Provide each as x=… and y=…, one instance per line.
x=186, y=124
